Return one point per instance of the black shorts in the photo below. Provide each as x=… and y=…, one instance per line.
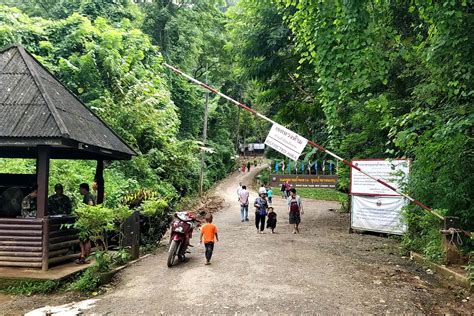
x=295, y=218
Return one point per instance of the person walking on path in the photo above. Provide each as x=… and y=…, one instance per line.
x=295, y=209
x=272, y=219
x=283, y=191
x=248, y=166
x=287, y=189
x=209, y=235
x=244, y=204
x=239, y=188
x=269, y=195
x=261, y=207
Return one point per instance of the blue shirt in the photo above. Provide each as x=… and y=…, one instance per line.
x=262, y=206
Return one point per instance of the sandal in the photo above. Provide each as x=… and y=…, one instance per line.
x=81, y=261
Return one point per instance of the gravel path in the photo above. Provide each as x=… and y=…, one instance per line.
x=322, y=270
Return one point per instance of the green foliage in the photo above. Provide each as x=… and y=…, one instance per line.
x=423, y=234
x=94, y=222
x=267, y=64
x=87, y=281
x=153, y=207
x=121, y=256
x=369, y=79
x=99, y=51
x=103, y=261
x=395, y=79
x=345, y=201
x=92, y=278
x=322, y=194
x=29, y=288
x=264, y=176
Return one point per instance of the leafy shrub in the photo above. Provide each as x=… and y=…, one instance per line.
x=90, y=279
x=94, y=222
x=87, y=281
x=154, y=221
x=423, y=234
x=345, y=203
x=155, y=207
x=264, y=176
x=121, y=257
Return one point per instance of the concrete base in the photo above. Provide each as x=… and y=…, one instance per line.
x=11, y=275
x=447, y=273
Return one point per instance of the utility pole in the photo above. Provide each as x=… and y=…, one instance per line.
x=204, y=140
x=245, y=136
x=237, y=145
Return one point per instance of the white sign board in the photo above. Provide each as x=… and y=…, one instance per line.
x=378, y=213
x=286, y=142
x=390, y=171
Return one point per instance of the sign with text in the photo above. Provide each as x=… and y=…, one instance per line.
x=378, y=213
x=304, y=181
x=286, y=142
x=390, y=171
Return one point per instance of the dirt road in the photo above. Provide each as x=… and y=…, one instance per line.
x=322, y=270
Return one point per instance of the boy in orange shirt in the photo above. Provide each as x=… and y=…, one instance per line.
x=209, y=232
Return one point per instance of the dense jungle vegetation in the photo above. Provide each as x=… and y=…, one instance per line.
x=367, y=79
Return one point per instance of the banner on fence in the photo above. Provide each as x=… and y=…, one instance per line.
x=285, y=141
x=378, y=213
x=304, y=181
x=392, y=171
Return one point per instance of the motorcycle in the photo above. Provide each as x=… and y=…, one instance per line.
x=181, y=232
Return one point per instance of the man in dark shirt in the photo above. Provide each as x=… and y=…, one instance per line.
x=28, y=205
x=85, y=242
x=59, y=203
x=88, y=197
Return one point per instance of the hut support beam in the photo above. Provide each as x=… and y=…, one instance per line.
x=45, y=252
x=42, y=172
x=99, y=179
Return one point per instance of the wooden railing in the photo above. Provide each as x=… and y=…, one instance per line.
x=62, y=240
x=22, y=242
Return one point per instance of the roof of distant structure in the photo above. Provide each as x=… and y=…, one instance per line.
x=37, y=109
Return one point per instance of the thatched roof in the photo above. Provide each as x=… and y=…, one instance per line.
x=37, y=109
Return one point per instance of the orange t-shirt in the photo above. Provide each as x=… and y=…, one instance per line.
x=208, y=232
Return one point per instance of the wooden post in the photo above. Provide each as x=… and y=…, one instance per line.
x=99, y=179
x=131, y=234
x=42, y=173
x=45, y=245
x=204, y=142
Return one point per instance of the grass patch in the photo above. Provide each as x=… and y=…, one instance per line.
x=321, y=194
x=87, y=282
x=29, y=288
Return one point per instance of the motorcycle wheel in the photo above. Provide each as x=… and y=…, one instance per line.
x=172, y=252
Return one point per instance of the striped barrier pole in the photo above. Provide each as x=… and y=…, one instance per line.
x=310, y=142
